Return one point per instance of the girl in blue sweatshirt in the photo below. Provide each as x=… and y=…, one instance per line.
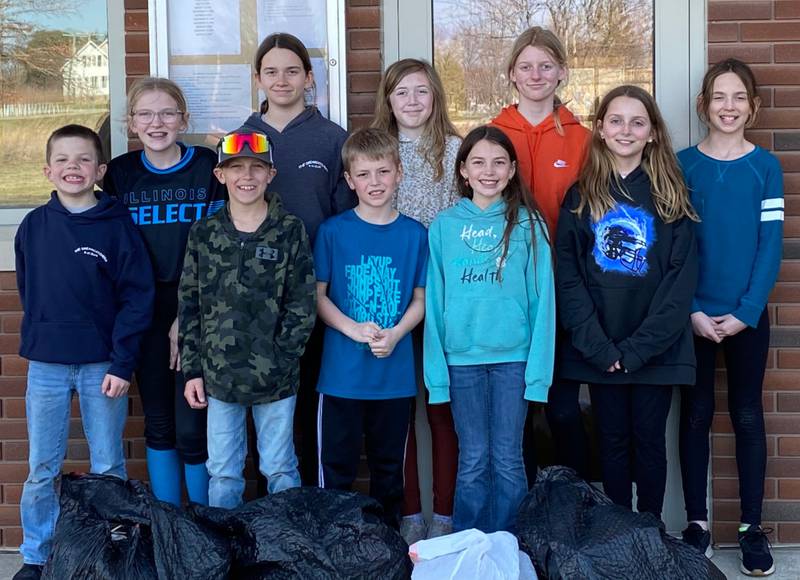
x=489, y=326
x=626, y=273
x=737, y=188
x=310, y=180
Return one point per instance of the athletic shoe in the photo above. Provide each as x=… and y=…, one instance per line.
x=439, y=527
x=29, y=572
x=756, y=557
x=413, y=530
x=698, y=538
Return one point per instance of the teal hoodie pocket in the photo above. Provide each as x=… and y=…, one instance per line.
x=487, y=324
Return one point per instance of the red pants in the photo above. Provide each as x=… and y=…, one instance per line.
x=445, y=462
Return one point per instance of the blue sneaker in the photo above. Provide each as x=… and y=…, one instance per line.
x=756, y=557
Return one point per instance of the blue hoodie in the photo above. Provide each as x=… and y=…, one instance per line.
x=86, y=285
x=308, y=161
x=471, y=316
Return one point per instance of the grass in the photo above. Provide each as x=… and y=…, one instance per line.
x=22, y=155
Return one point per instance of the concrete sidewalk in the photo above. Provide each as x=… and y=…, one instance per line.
x=787, y=562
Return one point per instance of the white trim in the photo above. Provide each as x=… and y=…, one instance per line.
x=772, y=203
x=772, y=216
x=159, y=39
x=320, y=473
x=116, y=76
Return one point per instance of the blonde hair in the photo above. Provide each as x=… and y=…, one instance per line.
x=438, y=126
x=167, y=86
x=668, y=188
x=546, y=40
x=371, y=143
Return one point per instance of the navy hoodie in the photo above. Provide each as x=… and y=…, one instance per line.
x=624, y=291
x=308, y=160
x=86, y=285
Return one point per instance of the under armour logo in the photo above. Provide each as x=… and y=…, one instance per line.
x=267, y=253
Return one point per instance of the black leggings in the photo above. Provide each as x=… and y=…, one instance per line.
x=169, y=422
x=745, y=360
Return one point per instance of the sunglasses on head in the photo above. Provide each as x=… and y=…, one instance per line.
x=234, y=143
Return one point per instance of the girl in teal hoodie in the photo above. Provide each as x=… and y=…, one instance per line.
x=489, y=326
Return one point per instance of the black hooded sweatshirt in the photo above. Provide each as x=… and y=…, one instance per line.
x=624, y=291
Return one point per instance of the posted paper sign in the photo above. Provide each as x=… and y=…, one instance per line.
x=218, y=95
x=203, y=27
x=306, y=19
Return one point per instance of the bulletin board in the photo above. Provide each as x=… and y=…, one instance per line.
x=208, y=47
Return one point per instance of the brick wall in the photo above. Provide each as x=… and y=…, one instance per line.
x=364, y=66
x=766, y=34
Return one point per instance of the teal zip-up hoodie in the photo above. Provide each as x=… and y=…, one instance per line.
x=472, y=315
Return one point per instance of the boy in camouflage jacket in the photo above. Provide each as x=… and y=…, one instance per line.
x=247, y=306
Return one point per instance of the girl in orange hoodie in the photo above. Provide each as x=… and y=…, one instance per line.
x=551, y=147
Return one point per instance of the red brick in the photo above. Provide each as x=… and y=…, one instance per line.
x=11, y=322
x=364, y=82
x=724, y=532
x=361, y=104
x=787, y=9
x=364, y=2
x=790, y=270
x=770, y=31
x=782, y=466
x=135, y=4
x=9, y=301
x=788, y=402
x=12, y=386
x=791, y=183
x=13, y=365
x=137, y=64
x=777, y=74
x=364, y=39
x=725, y=488
x=788, y=359
x=789, y=488
x=15, y=472
x=750, y=53
x=789, y=446
x=13, y=429
x=14, y=408
x=723, y=32
x=11, y=493
x=12, y=536
x=134, y=427
x=785, y=292
x=787, y=97
x=789, y=52
x=8, y=281
x=9, y=343
x=778, y=119
x=732, y=10
x=137, y=42
x=363, y=60
x=723, y=445
x=790, y=161
x=363, y=17
x=788, y=533
x=782, y=423
x=762, y=138
x=788, y=315
x=136, y=21
x=15, y=450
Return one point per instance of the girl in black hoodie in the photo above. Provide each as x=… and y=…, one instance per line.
x=625, y=276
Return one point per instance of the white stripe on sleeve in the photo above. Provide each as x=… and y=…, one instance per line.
x=772, y=216
x=772, y=203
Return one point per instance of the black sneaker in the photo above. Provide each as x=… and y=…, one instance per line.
x=698, y=538
x=756, y=558
x=28, y=572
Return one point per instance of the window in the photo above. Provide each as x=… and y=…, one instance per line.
x=47, y=81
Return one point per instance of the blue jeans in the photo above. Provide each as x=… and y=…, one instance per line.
x=47, y=405
x=489, y=412
x=227, y=448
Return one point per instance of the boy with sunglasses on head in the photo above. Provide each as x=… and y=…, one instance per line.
x=246, y=309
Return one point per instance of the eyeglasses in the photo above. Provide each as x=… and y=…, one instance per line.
x=167, y=116
x=232, y=144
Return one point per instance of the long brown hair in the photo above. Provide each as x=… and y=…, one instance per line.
x=745, y=74
x=546, y=40
x=517, y=197
x=289, y=42
x=438, y=126
x=658, y=160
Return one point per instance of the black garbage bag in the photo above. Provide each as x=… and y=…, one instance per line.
x=571, y=530
x=109, y=528
x=309, y=533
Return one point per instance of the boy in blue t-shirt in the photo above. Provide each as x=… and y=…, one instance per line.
x=371, y=263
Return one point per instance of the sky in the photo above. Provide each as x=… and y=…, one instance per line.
x=90, y=17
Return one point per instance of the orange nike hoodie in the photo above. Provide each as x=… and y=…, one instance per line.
x=549, y=163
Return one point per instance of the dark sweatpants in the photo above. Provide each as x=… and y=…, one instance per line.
x=631, y=424
x=745, y=359
x=383, y=427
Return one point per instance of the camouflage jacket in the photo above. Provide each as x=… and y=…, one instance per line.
x=247, y=306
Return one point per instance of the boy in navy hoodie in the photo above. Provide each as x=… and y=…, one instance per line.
x=86, y=286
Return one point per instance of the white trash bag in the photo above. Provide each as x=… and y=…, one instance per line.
x=471, y=555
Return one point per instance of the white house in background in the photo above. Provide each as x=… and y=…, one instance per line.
x=86, y=73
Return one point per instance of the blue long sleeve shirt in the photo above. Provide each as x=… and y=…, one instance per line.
x=739, y=237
